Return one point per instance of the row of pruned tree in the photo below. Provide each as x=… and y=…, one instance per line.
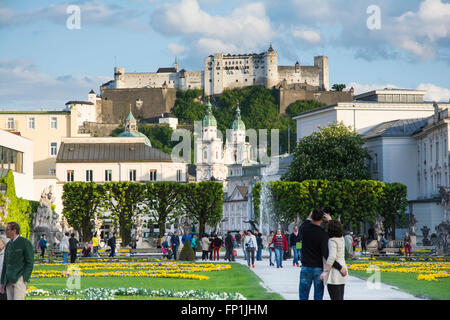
x=354, y=202
x=162, y=202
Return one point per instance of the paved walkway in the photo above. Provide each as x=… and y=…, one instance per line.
x=285, y=281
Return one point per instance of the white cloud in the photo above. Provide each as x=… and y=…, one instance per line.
x=434, y=92
x=247, y=27
x=24, y=87
x=419, y=32
x=308, y=35
x=175, y=48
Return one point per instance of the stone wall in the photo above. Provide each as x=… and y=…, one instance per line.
x=289, y=96
x=145, y=103
x=98, y=129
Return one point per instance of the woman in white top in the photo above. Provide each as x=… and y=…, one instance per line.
x=331, y=277
x=250, y=246
x=3, y=242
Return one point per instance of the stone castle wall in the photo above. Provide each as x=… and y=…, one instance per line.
x=289, y=96
x=145, y=103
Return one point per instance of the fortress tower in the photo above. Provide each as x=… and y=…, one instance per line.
x=324, y=79
x=271, y=66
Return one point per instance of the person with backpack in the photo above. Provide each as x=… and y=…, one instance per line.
x=43, y=244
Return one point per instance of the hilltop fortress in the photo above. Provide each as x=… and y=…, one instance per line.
x=226, y=71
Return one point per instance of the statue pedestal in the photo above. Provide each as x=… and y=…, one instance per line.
x=413, y=241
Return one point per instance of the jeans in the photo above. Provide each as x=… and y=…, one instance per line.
x=308, y=275
x=65, y=257
x=297, y=255
x=259, y=254
x=251, y=256
x=245, y=253
x=175, y=252
x=279, y=257
x=270, y=257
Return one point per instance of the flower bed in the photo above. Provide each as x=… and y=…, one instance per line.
x=132, y=269
x=429, y=271
x=109, y=294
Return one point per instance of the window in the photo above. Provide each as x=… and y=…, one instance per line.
x=89, y=175
x=437, y=152
x=70, y=175
x=52, y=172
x=179, y=175
x=53, y=149
x=108, y=175
x=132, y=175
x=10, y=124
x=153, y=174
x=11, y=159
x=375, y=163
x=31, y=123
x=53, y=123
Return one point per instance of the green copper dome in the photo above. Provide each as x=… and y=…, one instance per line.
x=238, y=124
x=209, y=120
x=136, y=135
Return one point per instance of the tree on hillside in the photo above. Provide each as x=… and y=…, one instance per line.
x=294, y=109
x=188, y=106
x=333, y=153
x=338, y=87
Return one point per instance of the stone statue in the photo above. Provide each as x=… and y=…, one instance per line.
x=252, y=223
x=425, y=230
x=217, y=228
x=442, y=231
x=445, y=201
x=379, y=227
x=184, y=224
x=412, y=225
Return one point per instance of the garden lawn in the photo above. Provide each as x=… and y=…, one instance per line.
x=237, y=279
x=407, y=282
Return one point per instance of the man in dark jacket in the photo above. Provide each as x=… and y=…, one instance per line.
x=229, y=246
x=314, y=250
x=175, y=240
x=112, y=245
x=17, y=264
x=73, y=246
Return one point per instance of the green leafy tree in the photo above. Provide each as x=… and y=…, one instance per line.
x=163, y=201
x=123, y=199
x=300, y=106
x=333, y=153
x=203, y=203
x=188, y=106
x=393, y=206
x=338, y=87
x=81, y=201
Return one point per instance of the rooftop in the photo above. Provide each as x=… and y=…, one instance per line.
x=109, y=152
x=397, y=128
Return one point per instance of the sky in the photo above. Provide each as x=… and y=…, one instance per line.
x=50, y=54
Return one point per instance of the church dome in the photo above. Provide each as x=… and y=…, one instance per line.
x=136, y=135
x=238, y=124
x=209, y=120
